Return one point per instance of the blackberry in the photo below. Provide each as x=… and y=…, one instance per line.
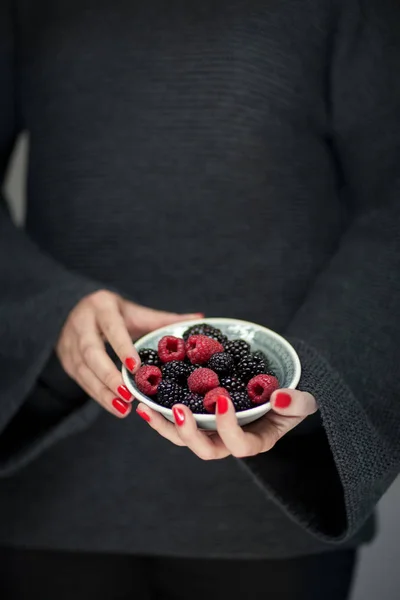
x=177, y=371
x=205, y=329
x=169, y=393
x=259, y=355
x=222, y=363
x=241, y=401
x=232, y=384
x=194, y=402
x=252, y=365
x=238, y=349
x=149, y=357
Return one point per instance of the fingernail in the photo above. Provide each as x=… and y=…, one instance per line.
x=222, y=405
x=282, y=400
x=144, y=415
x=124, y=393
x=130, y=364
x=120, y=406
x=179, y=416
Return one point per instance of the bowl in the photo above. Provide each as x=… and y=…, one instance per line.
x=283, y=359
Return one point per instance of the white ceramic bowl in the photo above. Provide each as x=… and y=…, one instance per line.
x=284, y=361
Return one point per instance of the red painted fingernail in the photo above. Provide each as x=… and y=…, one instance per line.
x=179, y=416
x=282, y=400
x=144, y=415
x=120, y=406
x=222, y=404
x=130, y=364
x=124, y=393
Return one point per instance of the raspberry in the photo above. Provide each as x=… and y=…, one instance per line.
x=252, y=365
x=149, y=357
x=205, y=329
x=221, y=363
x=233, y=384
x=238, y=349
x=194, y=402
x=200, y=349
x=169, y=393
x=148, y=379
x=202, y=381
x=241, y=401
x=261, y=387
x=178, y=371
x=171, y=348
x=211, y=398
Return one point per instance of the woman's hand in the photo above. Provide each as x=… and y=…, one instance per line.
x=290, y=407
x=106, y=317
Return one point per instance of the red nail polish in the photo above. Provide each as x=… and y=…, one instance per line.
x=144, y=415
x=120, y=406
x=222, y=404
x=124, y=393
x=179, y=416
x=282, y=400
x=130, y=364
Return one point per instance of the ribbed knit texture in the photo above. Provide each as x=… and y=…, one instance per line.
x=239, y=158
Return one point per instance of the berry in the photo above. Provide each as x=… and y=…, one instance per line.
x=176, y=370
x=261, y=387
x=200, y=349
x=205, y=329
x=233, y=384
x=148, y=379
x=171, y=348
x=169, y=393
x=149, y=357
x=194, y=402
x=202, y=381
x=252, y=365
x=222, y=363
x=211, y=398
x=241, y=401
x=238, y=349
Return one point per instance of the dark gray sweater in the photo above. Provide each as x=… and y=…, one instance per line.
x=239, y=157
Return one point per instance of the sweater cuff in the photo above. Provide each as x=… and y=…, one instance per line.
x=329, y=480
x=38, y=408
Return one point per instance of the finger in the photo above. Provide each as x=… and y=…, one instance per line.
x=112, y=325
x=293, y=403
x=157, y=422
x=140, y=319
x=290, y=408
x=99, y=392
x=94, y=355
x=239, y=442
x=204, y=446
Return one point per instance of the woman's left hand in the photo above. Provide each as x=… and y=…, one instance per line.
x=289, y=408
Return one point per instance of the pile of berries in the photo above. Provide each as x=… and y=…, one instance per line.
x=202, y=365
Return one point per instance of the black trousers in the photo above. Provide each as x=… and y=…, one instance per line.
x=29, y=575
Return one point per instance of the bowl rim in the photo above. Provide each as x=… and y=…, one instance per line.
x=126, y=375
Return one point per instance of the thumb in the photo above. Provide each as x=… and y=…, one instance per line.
x=141, y=320
x=293, y=403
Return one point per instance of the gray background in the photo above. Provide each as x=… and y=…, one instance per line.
x=378, y=576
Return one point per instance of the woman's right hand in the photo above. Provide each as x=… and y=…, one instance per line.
x=106, y=317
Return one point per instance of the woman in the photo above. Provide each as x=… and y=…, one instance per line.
x=238, y=158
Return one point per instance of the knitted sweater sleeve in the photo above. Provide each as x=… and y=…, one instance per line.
x=347, y=331
x=36, y=296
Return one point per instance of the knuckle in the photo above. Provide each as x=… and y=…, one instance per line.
x=88, y=351
x=241, y=452
x=102, y=299
x=206, y=454
x=80, y=370
x=111, y=379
